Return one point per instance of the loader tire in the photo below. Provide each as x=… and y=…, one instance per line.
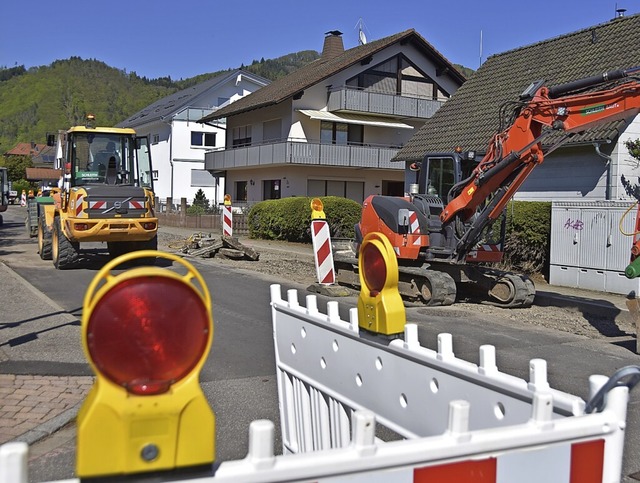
x=44, y=240
x=64, y=252
x=118, y=248
x=145, y=245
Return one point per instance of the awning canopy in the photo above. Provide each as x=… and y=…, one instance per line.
x=354, y=119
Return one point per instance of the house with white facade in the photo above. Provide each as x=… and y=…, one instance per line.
x=332, y=126
x=179, y=141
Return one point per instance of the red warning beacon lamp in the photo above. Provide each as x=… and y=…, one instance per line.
x=380, y=306
x=146, y=333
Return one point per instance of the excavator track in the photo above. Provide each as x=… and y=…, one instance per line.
x=440, y=287
x=432, y=287
x=499, y=288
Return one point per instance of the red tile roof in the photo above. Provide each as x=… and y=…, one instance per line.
x=25, y=149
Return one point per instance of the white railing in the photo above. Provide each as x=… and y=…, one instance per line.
x=359, y=100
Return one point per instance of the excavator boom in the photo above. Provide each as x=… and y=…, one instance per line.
x=516, y=151
x=443, y=232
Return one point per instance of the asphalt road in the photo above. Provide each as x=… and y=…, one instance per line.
x=239, y=376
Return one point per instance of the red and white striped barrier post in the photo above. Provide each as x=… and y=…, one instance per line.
x=227, y=217
x=23, y=198
x=321, y=238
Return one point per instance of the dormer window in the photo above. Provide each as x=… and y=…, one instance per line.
x=398, y=76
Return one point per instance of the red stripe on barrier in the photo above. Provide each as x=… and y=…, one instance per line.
x=328, y=278
x=587, y=461
x=324, y=251
x=482, y=471
x=227, y=221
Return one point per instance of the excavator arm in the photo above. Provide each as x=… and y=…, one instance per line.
x=514, y=152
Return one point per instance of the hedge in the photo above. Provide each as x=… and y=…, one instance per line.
x=528, y=233
x=526, y=242
x=290, y=218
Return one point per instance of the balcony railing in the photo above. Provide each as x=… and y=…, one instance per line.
x=358, y=100
x=303, y=153
x=196, y=113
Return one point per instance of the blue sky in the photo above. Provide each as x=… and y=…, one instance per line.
x=185, y=38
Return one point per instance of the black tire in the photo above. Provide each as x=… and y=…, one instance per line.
x=44, y=240
x=150, y=244
x=118, y=248
x=146, y=245
x=63, y=251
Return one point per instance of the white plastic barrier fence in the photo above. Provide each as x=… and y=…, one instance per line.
x=531, y=433
x=326, y=371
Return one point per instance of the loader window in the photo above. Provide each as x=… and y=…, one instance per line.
x=143, y=156
x=100, y=158
x=440, y=176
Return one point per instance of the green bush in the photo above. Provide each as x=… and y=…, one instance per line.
x=290, y=218
x=23, y=185
x=527, y=240
x=196, y=210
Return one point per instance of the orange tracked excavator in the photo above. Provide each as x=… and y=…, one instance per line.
x=447, y=228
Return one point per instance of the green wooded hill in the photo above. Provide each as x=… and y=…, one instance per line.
x=45, y=99
x=41, y=100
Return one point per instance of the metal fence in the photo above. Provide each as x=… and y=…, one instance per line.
x=170, y=214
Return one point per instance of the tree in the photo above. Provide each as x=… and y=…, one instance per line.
x=632, y=189
x=201, y=200
x=634, y=148
x=17, y=167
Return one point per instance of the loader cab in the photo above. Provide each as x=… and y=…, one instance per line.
x=104, y=156
x=439, y=172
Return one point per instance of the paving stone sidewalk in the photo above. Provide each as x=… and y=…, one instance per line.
x=28, y=402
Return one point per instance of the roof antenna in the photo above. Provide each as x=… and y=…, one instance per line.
x=362, y=38
x=620, y=11
x=480, y=47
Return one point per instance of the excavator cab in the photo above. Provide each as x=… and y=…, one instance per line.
x=439, y=172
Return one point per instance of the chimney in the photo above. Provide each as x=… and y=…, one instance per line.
x=333, y=45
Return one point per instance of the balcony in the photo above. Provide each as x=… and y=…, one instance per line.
x=358, y=100
x=302, y=153
x=195, y=114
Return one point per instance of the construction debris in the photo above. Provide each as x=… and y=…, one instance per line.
x=206, y=246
